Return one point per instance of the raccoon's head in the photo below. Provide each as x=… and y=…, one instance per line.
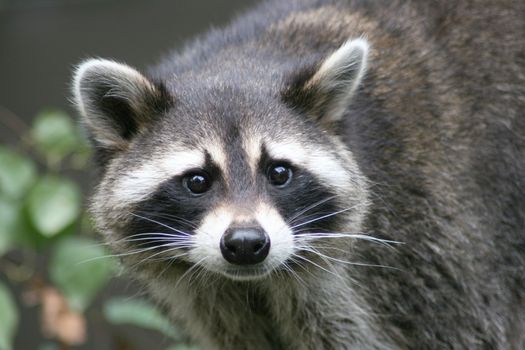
x=239, y=172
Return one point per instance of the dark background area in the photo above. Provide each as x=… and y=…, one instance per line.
x=40, y=44
x=41, y=41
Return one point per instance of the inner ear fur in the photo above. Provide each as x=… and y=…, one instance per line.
x=324, y=91
x=116, y=101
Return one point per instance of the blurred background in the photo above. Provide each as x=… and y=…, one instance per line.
x=59, y=288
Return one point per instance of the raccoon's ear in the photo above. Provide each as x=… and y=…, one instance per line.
x=325, y=91
x=115, y=101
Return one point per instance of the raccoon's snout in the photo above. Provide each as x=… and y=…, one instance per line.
x=245, y=246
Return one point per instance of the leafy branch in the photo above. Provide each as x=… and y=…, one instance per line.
x=41, y=214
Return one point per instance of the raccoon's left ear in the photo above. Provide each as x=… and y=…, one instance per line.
x=325, y=93
x=116, y=102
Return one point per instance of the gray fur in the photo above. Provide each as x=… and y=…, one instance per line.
x=431, y=140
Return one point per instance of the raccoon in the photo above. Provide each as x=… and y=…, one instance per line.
x=324, y=174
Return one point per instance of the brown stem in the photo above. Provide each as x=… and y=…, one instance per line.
x=13, y=122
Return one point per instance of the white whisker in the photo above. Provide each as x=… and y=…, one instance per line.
x=149, y=258
x=315, y=251
x=320, y=235
x=308, y=208
x=322, y=217
x=195, y=266
x=160, y=223
x=171, y=217
x=136, y=251
x=317, y=265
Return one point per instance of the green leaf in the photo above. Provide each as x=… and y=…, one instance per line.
x=48, y=346
x=17, y=173
x=9, y=212
x=53, y=204
x=79, y=267
x=8, y=318
x=55, y=135
x=139, y=313
x=15, y=227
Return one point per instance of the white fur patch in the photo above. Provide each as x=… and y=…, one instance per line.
x=314, y=159
x=104, y=67
x=217, y=154
x=340, y=75
x=320, y=163
x=281, y=236
x=136, y=185
x=252, y=148
x=128, y=83
x=208, y=237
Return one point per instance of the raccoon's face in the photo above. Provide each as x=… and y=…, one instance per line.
x=238, y=179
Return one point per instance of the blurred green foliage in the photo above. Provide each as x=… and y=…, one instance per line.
x=79, y=270
x=41, y=210
x=8, y=318
x=140, y=313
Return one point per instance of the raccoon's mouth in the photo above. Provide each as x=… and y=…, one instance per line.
x=241, y=273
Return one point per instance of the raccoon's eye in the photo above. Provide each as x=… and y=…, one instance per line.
x=279, y=175
x=197, y=182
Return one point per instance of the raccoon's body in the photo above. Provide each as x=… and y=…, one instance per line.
x=325, y=175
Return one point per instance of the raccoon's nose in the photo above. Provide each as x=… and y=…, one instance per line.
x=245, y=246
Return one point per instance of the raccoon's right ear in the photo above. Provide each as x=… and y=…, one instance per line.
x=324, y=91
x=116, y=101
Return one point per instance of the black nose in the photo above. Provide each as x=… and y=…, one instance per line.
x=245, y=246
